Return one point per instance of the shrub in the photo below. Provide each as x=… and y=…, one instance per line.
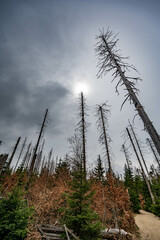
x=14, y=216
x=155, y=208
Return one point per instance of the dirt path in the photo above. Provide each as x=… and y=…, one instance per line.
x=149, y=225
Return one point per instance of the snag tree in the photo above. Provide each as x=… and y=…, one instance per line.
x=110, y=60
x=102, y=112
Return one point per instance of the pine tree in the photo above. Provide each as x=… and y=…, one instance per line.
x=130, y=185
x=14, y=217
x=78, y=215
x=99, y=170
x=62, y=167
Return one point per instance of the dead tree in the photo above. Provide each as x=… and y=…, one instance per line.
x=150, y=144
x=26, y=157
x=140, y=151
x=127, y=156
x=43, y=165
x=3, y=160
x=102, y=123
x=14, y=150
x=52, y=166
x=76, y=149
x=111, y=60
x=82, y=126
x=143, y=172
x=49, y=160
x=39, y=157
x=38, y=141
x=48, y=165
x=20, y=154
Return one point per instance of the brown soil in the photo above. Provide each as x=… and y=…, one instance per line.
x=149, y=226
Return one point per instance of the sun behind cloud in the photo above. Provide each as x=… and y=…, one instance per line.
x=81, y=87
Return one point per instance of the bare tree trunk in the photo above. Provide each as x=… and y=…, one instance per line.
x=110, y=60
x=39, y=157
x=126, y=156
x=144, y=175
x=28, y=156
x=105, y=140
x=140, y=151
x=24, y=163
x=14, y=150
x=43, y=164
x=49, y=158
x=38, y=141
x=83, y=134
x=150, y=144
x=23, y=146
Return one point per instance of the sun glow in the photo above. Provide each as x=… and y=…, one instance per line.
x=81, y=87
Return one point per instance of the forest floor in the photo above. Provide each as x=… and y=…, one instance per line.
x=149, y=225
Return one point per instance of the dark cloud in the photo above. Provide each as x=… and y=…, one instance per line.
x=25, y=92
x=27, y=41
x=23, y=104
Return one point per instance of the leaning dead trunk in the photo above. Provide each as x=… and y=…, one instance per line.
x=36, y=147
x=143, y=172
x=140, y=151
x=149, y=142
x=109, y=60
x=14, y=150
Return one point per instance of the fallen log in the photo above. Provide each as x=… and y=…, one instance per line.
x=114, y=234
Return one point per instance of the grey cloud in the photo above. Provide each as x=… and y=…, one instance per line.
x=22, y=99
x=47, y=45
x=21, y=103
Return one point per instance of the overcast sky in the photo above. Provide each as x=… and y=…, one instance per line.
x=47, y=49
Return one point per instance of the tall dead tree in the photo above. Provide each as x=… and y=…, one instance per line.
x=20, y=154
x=150, y=144
x=76, y=150
x=140, y=151
x=143, y=172
x=127, y=156
x=102, y=123
x=49, y=159
x=37, y=144
x=14, y=150
x=43, y=165
x=110, y=60
x=82, y=126
x=25, y=159
x=39, y=157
